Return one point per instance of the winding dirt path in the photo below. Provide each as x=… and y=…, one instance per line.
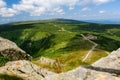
x=90, y=51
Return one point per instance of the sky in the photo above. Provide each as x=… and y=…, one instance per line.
x=22, y=10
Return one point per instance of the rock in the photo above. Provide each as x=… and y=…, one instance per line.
x=25, y=69
x=11, y=51
x=107, y=68
x=112, y=61
x=46, y=61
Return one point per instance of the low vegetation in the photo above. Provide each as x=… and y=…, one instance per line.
x=61, y=39
x=9, y=77
x=3, y=60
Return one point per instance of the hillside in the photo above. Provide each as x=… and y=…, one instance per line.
x=67, y=41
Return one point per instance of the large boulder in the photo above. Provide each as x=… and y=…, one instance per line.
x=112, y=61
x=10, y=50
x=25, y=70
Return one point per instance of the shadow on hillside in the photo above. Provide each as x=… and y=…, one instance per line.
x=33, y=47
x=14, y=27
x=13, y=32
x=108, y=70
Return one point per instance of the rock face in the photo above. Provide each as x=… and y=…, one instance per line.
x=112, y=61
x=46, y=61
x=25, y=69
x=11, y=51
x=107, y=68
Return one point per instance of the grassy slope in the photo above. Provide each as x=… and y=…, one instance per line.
x=46, y=38
x=9, y=77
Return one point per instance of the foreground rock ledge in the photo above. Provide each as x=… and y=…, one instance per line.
x=11, y=51
x=107, y=68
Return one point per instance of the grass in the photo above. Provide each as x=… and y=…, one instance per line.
x=44, y=38
x=95, y=55
x=74, y=59
x=9, y=77
x=3, y=60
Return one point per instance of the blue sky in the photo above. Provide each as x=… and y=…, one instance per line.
x=19, y=10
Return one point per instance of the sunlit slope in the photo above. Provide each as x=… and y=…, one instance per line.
x=61, y=38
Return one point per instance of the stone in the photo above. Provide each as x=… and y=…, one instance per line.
x=10, y=50
x=25, y=70
x=107, y=68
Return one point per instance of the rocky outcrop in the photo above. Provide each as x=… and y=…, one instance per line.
x=46, y=61
x=112, y=61
x=25, y=69
x=107, y=68
x=11, y=51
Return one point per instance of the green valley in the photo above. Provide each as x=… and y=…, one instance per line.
x=61, y=39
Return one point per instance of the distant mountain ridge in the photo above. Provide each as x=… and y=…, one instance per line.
x=104, y=21
x=71, y=21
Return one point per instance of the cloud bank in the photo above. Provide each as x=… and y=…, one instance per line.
x=39, y=7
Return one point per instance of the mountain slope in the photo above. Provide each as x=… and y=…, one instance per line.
x=61, y=39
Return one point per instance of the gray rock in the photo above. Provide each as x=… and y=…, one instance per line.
x=112, y=61
x=107, y=68
x=11, y=51
x=25, y=69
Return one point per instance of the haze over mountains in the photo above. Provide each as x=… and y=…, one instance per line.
x=102, y=21
x=117, y=21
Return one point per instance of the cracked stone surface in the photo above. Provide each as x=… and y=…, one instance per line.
x=11, y=51
x=25, y=69
x=107, y=68
x=112, y=61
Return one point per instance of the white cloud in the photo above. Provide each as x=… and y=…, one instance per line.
x=39, y=7
x=71, y=8
x=59, y=10
x=4, y=11
x=101, y=1
x=86, y=9
x=36, y=7
x=38, y=11
x=2, y=3
x=85, y=2
x=102, y=12
x=7, y=12
x=95, y=2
